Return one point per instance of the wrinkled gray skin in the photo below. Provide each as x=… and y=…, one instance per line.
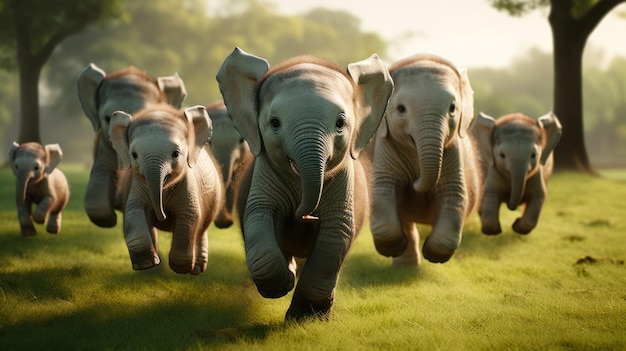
x=38, y=182
x=129, y=90
x=306, y=194
x=232, y=153
x=424, y=162
x=175, y=186
x=517, y=161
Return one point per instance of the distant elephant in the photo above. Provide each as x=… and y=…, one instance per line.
x=129, y=90
x=232, y=152
x=39, y=182
x=517, y=160
x=175, y=187
x=424, y=161
x=305, y=121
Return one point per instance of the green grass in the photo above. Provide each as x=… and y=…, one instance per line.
x=77, y=290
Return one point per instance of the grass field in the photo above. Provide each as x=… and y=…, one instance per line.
x=563, y=287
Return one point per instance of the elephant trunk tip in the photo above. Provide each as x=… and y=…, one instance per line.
x=511, y=205
x=423, y=185
x=305, y=216
x=160, y=215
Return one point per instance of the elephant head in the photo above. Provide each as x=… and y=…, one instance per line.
x=100, y=95
x=128, y=89
x=517, y=146
x=159, y=146
x=31, y=162
x=432, y=103
x=232, y=153
x=304, y=116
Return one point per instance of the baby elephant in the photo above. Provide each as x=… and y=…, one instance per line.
x=517, y=160
x=38, y=181
x=175, y=185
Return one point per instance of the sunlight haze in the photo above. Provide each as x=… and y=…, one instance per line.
x=468, y=32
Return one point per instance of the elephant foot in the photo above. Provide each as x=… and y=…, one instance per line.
x=144, y=260
x=436, y=253
x=223, y=220
x=54, y=224
x=390, y=246
x=28, y=231
x=39, y=217
x=273, y=278
x=521, y=228
x=491, y=229
x=302, y=309
x=103, y=221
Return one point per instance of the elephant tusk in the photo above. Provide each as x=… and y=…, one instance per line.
x=294, y=167
x=309, y=218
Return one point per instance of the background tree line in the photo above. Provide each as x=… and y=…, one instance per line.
x=192, y=39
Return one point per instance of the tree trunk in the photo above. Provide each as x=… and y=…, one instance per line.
x=29, y=102
x=569, y=36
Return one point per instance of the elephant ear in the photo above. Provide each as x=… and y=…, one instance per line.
x=118, y=133
x=201, y=129
x=88, y=82
x=237, y=79
x=375, y=85
x=174, y=89
x=55, y=154
x=482, y=130
x=467, y=108
x=12, y=153
x=552, y=126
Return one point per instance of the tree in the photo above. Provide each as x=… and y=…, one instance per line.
x=30, y=30
x=571, y=22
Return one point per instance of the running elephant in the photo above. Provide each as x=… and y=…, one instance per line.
x=306, y=195
x=129, y=90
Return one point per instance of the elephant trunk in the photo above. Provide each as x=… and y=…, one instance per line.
x=310, y=163
x=429, y=143
x=23, y=178
x=155, y=177
x=518, y=185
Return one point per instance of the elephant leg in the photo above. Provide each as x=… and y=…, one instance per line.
x=25, y=219
x=99, y=197
x=445, y=237
x=42, y=210
x=315, y=292
x=202, y=253
x=224, y=217
x=410, y=257
x=54, y=223
x=385, y=225
x=528, y=221
x=490, y=214
x=268, y=266
x=138, y=234
x=182, y=251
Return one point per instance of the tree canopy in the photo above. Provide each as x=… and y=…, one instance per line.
x=571, y=22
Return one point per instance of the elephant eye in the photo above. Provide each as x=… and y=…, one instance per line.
x=134, y=155
x=340, y=123
x=175, y=154
x=502, y=155
x=452, y=108
x=401, y=109
x=107, y=119
x=533, y=156
x=241, y=140
x=36, y=168
x=275, y=123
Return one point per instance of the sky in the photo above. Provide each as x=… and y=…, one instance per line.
x=469, y=33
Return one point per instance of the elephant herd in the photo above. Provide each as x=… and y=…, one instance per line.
x=307, y=152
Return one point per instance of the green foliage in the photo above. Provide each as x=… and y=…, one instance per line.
x=45, y=22
x=518, y=7
x=559, y=288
